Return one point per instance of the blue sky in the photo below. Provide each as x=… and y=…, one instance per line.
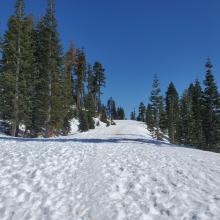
x=135, y=39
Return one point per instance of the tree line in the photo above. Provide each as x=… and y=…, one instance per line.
x=42, y=88
x=192, y=119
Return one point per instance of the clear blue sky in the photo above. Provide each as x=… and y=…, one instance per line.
x=135, y=39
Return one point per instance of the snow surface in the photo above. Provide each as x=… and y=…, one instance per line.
x=110, y=173
x=74, y=125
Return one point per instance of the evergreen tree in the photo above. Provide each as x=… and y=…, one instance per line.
x=83, y=121
x=155, y=101
x=141, y=116
x=80, y=76
x=69, y=65
x=91, y=83
x=162, y=116
x=100, y=80
x=1, y=98
x=172, y=112
x=185, y=125
x=149, y=118
x=133, y=116
x=90, y=110
x=211, y=110
x=68, y=90
x=1, y=47
x=104, y=117
x=197, y=107
x=90, y=105
x=120, y=113
x=17, y=70
x=50, y=114
x=111, y=109
x=91, y=122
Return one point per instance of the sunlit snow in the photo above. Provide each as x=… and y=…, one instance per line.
x=110, y=173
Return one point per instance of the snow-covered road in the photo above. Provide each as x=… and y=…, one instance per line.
x=114, y=173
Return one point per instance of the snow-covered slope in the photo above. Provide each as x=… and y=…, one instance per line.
x=110, y=173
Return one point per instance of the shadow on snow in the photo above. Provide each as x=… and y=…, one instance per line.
x=86, y=140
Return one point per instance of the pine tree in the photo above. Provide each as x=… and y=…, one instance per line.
x=185, y=127
x=90, y=105
x=120, y=113
x=162, y=116
x=149, y=118
x=17, y=70
x=104, y=117
x=100, y=81
x=111, y=109
x=91, y=83
x=141, y=116
x=50, y=114
x=80, y=76
x=1, y=47
x=68, y=89
x=197, y=107
x=1, y=99
x=83, y=121
x=155, y=101
x=91, y=122
x=211, y=111
x=91, y=87
x=69, y=64
x=133, y=116
x=172, y=111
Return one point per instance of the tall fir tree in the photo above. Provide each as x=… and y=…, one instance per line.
x=90, y=110
x=149, y=118
x=80, y=77
x=142, y=114
x=133, y=116
x=198, y=139
x=91, y=85
x=83, y=121
x=69, y=65
x=111, y=109
x=68, y=90
x=155, y=101
x=120, y=113
x=50, y=114
x=104, y=117
x=1, y=46
x=17, y=70
x=91, y=81
x=100, y=81
x=90, y=105
x=211, y=110
x=162, y=116
x=185, y=125
x=172, y=111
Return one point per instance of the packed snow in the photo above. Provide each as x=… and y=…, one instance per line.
x=110, y=173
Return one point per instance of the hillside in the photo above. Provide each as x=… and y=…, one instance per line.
x=109, y=173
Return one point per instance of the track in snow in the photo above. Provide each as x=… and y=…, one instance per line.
x=115, y=173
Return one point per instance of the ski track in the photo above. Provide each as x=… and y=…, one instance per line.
x=115, y=173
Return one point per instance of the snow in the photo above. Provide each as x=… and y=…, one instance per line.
x=110, y=173
x=74, y=125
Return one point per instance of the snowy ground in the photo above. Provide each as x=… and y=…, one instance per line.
x=115, y=173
